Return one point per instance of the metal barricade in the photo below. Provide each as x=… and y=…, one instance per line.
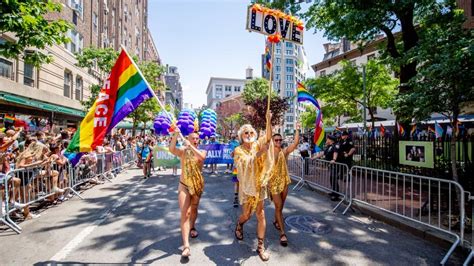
x=425, y=200
x=329, y=177
x=471, y=254
x=26, y=186
x=295, y=170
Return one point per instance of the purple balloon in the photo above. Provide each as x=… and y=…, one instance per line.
x=190, y=128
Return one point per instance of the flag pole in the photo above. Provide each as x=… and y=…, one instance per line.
x=270, y=78
x=151, y=89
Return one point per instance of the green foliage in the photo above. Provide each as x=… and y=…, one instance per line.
x=256, y=89
x=104, y=58
x=444, y=83
x=342, y=91
x=26, y=20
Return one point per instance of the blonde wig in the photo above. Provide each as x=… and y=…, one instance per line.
x=246, y=127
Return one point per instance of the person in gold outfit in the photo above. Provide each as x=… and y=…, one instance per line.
x=191, y=185
x=254, y=160
x=280, y=179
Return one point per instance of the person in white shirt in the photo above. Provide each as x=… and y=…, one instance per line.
x=304, y=147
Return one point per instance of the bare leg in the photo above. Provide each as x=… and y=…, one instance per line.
x=243, y=218
x=184, y=199
x=261, y=225
x=194, y=213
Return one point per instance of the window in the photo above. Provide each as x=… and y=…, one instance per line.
x=278, y=51
x=228, y=88
x=125, y=12
x=289, y=45
x=322, y=73
x=290, y=86
x=28, y=78
x=289, y=77
x=277, y=68
x=77, y=6
x=219, y=88
x=78, y=89
x=95, y=21
x=278, y=44
x=289, y=62
x=277, y=76
x=77, y=42
x=289, y=93
x=6, y=68
x=67, y=83
x=289, y=52
x=289, y=69
x=237, y=88
x=278, y=61
x=289, y=119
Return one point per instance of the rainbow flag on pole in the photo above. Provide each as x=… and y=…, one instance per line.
x=268, y=56
x=401, y=130
x=304, y=95
x=319, y=133
x=123, y=91
x=438, y=130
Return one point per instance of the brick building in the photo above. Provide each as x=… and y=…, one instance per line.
x=53, y=92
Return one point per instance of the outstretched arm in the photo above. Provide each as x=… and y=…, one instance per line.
x=200, y=154
x=293, y=145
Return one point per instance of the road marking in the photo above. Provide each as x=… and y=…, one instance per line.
x=64, y=252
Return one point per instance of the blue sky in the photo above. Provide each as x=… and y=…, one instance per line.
x=207, y=38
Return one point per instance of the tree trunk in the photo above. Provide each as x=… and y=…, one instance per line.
x=372, y=118
x=453, y=148
x=410, y=40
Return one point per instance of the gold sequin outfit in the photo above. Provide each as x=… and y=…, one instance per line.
x=280, y=178
x=192, y=174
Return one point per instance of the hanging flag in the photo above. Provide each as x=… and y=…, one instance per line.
x=123, y=91
x=319, y=133
x=449, y=130
x=304, y=95
x=8, y=119
x=382, y=130
x=458, y=127
x=413, y=130
x=401, y=130
x=302, y=60
x=268, y=57
x=438, y=130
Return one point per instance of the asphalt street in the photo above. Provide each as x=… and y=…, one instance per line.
x=136, y=221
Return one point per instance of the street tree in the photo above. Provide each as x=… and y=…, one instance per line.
x=102, y=58
x=255, y=96
x=343, y=91
x=444, y=83
x=26, y=20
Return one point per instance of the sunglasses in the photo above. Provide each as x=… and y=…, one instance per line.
x=248, y=133
x=278, y=140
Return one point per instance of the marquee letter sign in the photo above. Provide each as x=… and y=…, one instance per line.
x=270, y=22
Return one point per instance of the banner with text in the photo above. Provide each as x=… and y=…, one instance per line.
x=163, y=157
x=218, y=153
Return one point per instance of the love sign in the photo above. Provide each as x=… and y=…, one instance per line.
x=274, y=22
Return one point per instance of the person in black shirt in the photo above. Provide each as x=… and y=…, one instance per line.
x=347, y=150
x=330, y=154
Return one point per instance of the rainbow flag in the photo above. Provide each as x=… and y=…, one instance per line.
x=304, y=95
x=458, y=126
x=319, y=133
x=438, y=130
x=268, y=56
x=234, y=172
x=8, y=119
x=431, y=129
x=401, y=130
x=382, y=130
x=123, y=91
x=413, y=130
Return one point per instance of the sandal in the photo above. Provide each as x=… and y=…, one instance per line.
x=283, y=242
x=264, y=256
x=239, y=231
x=186, y=254
x=196, y=234
x=277, y=226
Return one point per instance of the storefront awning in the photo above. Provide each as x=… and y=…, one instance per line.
x=7, y=97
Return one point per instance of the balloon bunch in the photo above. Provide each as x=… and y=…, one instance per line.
x=186, y=122
x=275, y=38
x=208, y=124
x=162, y=124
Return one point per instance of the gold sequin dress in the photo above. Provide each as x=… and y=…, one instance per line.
x=280, y=177
x=253, y=173
x=192, y=173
